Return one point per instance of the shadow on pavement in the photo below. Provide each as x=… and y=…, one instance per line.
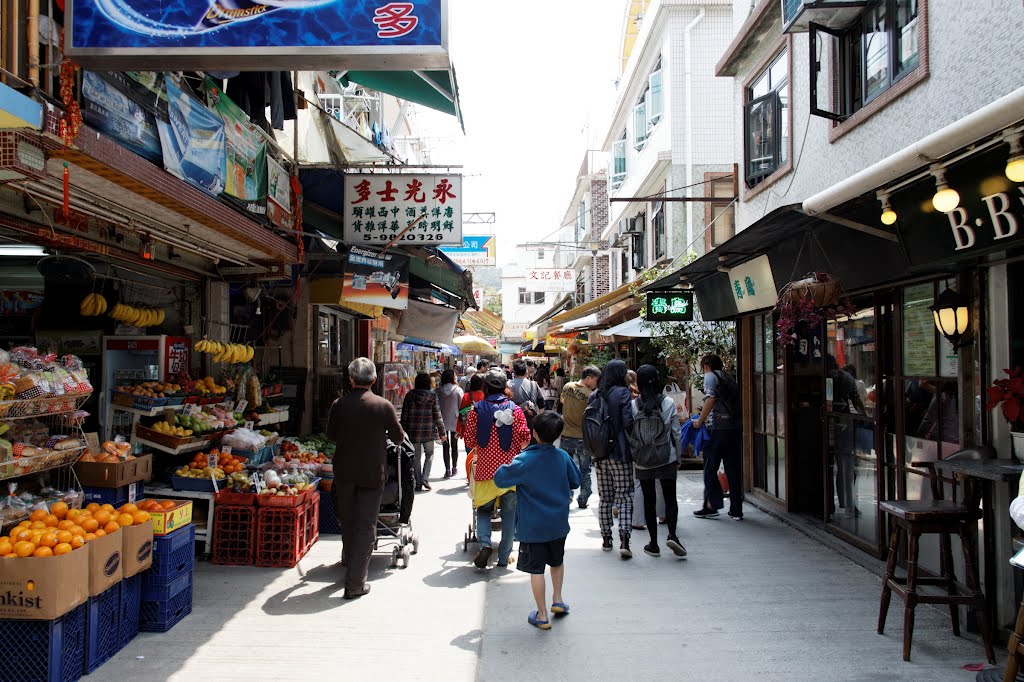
x=470, y=641
x=326, y=598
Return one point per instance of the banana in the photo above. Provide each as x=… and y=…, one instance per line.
x=201, y=346
x=103, y=304
x=87, y=307
x=249, y=356
x=160, y=316
x=116, y=312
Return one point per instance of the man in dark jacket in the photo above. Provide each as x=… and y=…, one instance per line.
x=360, y=424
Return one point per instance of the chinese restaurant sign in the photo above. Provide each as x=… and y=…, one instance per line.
x=550, y=279
x=753, y=285
x=475, y=250
x=380, y=207
x=275, y=34
x=376, y=278
x=670, y=306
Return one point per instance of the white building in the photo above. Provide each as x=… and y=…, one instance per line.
x=537, y=280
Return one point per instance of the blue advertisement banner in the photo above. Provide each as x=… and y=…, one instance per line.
x=109, y=110
x=166, y=28
x=193, y=141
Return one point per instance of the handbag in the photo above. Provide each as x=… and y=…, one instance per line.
x=678, y=396
x=723, y=481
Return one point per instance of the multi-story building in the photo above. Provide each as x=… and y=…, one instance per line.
x=586, y=219
x=878, y=142
x=539, y=277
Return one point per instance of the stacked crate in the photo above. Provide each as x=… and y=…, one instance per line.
x=167, y=585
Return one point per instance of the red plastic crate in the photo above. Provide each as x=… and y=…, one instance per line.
x=312, y=522
x=280, y=536
x=234, y=535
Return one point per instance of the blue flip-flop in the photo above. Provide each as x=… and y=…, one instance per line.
x=536, y=622
x=560, y=608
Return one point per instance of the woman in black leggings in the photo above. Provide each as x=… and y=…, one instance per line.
x=653, y=404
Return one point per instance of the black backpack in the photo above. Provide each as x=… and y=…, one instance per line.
x=598, y=435
x=729, y=393
x=649, y=440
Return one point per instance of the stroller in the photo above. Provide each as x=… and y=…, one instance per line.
x=394, y=520
x=470, y=535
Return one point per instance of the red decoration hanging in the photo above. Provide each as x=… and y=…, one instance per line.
x=301, y=250
x=67, y=191
x=71, y=123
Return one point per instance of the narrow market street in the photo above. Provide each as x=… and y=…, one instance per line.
x=759, y=594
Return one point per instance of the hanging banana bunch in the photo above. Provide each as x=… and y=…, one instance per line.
x=232, y=353
x=92, y=305
x=138, y=317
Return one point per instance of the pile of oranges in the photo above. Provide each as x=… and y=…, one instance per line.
x=156, y=505
x=61, y=530
x=229, y=464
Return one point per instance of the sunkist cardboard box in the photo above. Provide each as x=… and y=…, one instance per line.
x=106, y=566
x=44, y=588
x=136, y=548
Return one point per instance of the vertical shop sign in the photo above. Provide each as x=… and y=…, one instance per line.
x=753, y=285
x=193, y=141
x=376, y=278
x=415, y=209
x=279, y=194
x=245, y=151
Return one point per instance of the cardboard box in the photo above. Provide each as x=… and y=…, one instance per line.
x=105, y=563
x=100, y=475
x=44, y=588
x=136, y=548
x=166, y=522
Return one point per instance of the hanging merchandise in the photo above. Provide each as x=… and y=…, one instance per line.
x=193, y=141
x=246, y=179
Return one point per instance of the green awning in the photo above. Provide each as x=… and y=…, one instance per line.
x=435, y=89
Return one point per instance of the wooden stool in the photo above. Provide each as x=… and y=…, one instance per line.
x=914, y=518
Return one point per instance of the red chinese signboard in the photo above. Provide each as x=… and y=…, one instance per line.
x=406, y=208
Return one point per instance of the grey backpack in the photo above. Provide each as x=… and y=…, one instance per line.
x=650, y=442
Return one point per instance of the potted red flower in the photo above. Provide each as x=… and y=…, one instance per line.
x=1009, y=395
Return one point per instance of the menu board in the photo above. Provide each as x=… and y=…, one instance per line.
x=918, y=331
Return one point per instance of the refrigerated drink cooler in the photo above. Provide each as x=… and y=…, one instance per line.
x=131, y=359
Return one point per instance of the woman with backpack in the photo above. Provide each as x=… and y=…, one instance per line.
x=612, y=457
x=722, y=414
x=654, y=447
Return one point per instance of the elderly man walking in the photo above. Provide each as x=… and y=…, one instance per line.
x=360, y=424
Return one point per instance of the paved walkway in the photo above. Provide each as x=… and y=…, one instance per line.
x=754, y=600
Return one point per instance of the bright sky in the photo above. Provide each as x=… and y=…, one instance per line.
x=536, y=84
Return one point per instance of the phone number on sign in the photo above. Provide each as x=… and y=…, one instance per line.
x=404, y=237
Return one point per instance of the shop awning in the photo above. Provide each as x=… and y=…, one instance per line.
x=636, y=328
x=561, y=305
x=438, y=90
x=599, y=303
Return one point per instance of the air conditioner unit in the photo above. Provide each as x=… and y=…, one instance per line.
x=797, y=14
x=21, y=157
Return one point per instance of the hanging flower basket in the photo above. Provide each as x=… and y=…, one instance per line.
x=804, y=304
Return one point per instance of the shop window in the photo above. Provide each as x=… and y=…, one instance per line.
x=720, y=212
x=881, y=48
x=525, y=297
x=638, y=245
x=658, y=228
x=766, y=121
x=619, y=161
x=769, y=411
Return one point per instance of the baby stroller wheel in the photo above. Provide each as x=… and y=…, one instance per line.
x=394, y=557
x=405, y=558
x=415, y=544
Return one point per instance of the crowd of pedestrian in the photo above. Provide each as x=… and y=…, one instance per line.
x=532, y=439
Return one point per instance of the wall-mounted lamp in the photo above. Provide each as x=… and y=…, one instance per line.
x=145, y=247
x=946, y=198
x=952, y=317
x=1015, y=163
x=888, y=216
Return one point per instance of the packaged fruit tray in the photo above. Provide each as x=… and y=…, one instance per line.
x=161, y=439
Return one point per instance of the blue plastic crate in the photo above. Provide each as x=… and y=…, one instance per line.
x=51, y=650
x=153, y=591
x=328, y=517
x=102, y=628
x=173, y=555
x=175, y=602
x=113, y=496
x=131, y=609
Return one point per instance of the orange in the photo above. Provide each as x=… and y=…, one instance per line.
x=168, y=504
x=75, y=513
x=90, y=536
x=140, y=517
x=125, y=520
x=102, y=517
x=49, y=540
x=90, y=525
x=107, y=508
x=37, y=525
x=6, y=547
x=99, y=533
x=77, y=530
x=22, y=534
x=37, y=536
x=12, y=555
x=64, y=536
x=38, y=515
x=65, y=524
x=112, y=527
x=24, y=524
x=92, y=506
x=128, y=509
x=59, y=509
x=24, y=549
x=43, y=551
x=62, y=548
x=51, y=521
x=77, y=542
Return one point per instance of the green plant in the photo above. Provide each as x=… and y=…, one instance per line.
x=687, y=342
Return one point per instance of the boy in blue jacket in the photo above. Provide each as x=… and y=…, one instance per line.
x=545, y=477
